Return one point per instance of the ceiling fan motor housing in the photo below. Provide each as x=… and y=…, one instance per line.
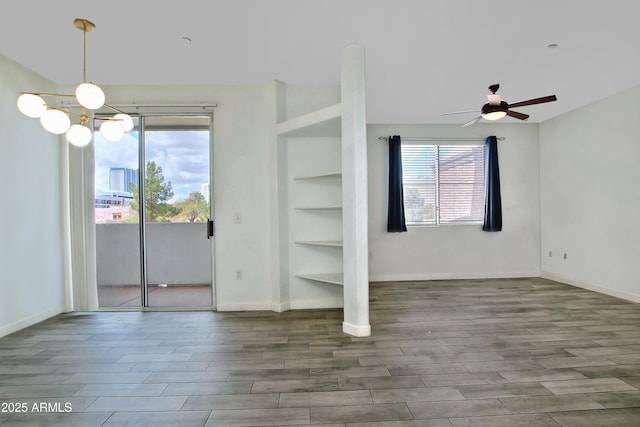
x=491, y=108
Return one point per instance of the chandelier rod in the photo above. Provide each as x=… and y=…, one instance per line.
x=84, y=55
x=85, y=26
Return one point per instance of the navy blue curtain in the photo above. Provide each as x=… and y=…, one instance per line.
x=395, y=218
x=492, y=199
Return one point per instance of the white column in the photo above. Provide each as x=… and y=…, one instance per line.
x=354, y=193
x=279, y=237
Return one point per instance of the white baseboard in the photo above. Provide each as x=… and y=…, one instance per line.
x=30, y=320
x=280, y=307
x=417, y=277
x=252, y=306
x=356, y=330
x=317, y=303
x=590, y=287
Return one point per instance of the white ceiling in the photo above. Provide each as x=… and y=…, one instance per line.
x=424, y=57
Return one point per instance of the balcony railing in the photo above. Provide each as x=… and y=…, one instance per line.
x=178, y=255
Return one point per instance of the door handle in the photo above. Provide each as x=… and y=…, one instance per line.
x=210, y=228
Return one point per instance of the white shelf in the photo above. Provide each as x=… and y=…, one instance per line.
x=329, y=243
x=332, y=278
x=324, y=122
x=318, y=208
x=320, y=176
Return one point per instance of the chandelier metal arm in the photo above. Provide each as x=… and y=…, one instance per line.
x=114, y=108
x=68, y=95
x=48, y=94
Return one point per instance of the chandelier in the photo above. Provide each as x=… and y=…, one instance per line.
x=90, y=97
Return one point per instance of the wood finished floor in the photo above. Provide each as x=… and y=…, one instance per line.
x=508, y=352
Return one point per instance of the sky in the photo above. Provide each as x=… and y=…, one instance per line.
x=182, y=155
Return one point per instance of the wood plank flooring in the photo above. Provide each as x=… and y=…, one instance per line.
x=508, y=352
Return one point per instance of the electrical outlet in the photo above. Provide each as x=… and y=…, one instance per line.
x=564, y=256
x=238, y=274
x=550, y=254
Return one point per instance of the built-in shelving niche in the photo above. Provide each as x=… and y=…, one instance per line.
x=323, y=217
x=315, y=193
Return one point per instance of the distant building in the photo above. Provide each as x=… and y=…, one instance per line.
x=113, y=199
x=204, y=190
x=120, y=178
x=112, y=206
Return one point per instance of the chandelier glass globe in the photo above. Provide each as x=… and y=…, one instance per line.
x=112, y=130
x=125, y=120
x=55, y=121
x=90, y=96
x=31, y=105
x=79, y=135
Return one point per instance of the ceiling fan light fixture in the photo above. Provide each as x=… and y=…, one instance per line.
x=495, y=115
x=494, y=112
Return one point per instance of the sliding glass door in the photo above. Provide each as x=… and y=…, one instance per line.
x=118, y=256
x=178, y=250
x=155, y=253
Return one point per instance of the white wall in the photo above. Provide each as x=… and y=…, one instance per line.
x=31, y=255
x=457, y=252
x=590, y=187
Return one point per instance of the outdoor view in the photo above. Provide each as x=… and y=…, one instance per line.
x=176, y=202
x=176, y=175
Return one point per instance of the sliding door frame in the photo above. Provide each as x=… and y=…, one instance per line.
x=142, y=184
x=193, y=111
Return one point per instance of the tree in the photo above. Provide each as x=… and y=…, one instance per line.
x=157, y=192
x=194, y=208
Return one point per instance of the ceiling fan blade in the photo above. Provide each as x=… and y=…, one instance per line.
x=460, y=112
x=472, y=121
x=517, y=115
x=541, y=100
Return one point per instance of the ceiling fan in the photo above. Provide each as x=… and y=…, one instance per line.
x=496, y=108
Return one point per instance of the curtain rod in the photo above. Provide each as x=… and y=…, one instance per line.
x=203, y=106
x=167, y=105
x=435, y=138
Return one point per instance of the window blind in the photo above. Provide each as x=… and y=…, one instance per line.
x=443, y=184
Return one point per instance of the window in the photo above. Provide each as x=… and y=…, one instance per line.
x=443, y=184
